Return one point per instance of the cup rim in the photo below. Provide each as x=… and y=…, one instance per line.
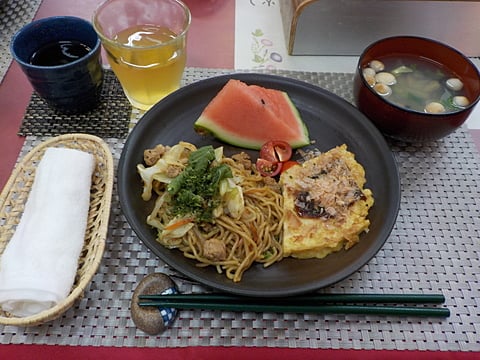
x=44, y=20
x=106, y=39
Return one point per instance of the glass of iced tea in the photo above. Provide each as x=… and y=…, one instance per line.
x=145, y=43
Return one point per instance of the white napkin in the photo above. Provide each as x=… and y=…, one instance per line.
x=39, y=264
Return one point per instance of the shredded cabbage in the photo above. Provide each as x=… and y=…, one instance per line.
x=175, y=156
x=204, y=188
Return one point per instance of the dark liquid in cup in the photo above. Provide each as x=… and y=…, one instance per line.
x=59, y=53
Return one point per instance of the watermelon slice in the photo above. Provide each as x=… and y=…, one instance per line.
x=249, y=115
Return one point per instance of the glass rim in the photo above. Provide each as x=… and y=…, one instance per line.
x=106, y=39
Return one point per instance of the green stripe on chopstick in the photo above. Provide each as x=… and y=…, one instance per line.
x=306, y=299
x=313, y=303
x=311, y=309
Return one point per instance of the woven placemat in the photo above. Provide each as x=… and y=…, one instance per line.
x=432, y=248
x=14, y=14
x=338, y=83
x=110, y=119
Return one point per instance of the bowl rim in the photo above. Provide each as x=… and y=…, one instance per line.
x=359, y=69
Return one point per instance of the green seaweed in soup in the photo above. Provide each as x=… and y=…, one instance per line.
x=418, y=85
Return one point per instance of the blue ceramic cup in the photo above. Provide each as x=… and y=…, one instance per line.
x=71, y=85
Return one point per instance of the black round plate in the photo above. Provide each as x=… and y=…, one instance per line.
x=331, y=121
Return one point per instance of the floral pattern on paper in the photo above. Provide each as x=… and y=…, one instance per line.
x=263, y=52
x=262, y=2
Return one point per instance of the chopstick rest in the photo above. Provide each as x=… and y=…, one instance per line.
x=38, y=266
x=153, y=320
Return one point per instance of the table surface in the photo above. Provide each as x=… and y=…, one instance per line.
x=433, y=247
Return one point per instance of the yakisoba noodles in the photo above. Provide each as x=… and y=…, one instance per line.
x=246, y=224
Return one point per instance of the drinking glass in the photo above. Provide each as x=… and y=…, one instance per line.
x=145, y=43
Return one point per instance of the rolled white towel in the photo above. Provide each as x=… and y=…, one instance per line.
x=39, y=264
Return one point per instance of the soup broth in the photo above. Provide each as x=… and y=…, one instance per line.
x=416, y=84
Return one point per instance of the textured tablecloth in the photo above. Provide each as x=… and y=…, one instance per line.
x=14, y=14
x=434, y=247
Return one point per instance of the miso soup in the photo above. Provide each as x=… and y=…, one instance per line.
x=416, y=84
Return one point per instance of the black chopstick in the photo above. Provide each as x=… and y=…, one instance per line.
x=305, y=299
x=314, y=304
x=310, y=309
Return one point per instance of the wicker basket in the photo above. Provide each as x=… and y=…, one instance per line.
x=14, y=197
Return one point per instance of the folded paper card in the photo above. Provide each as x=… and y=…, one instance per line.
x=38, y=266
